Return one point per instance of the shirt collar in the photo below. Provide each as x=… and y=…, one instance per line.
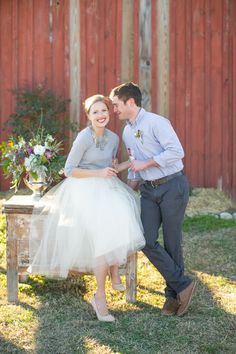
x=138, y=118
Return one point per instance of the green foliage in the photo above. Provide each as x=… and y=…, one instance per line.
x=205, y=223
x=39, y=107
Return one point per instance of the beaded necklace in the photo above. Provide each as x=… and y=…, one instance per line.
x=100, y=141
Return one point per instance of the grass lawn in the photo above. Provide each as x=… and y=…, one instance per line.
x=55, y=317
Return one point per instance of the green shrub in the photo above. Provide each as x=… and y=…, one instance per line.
x=39, y=107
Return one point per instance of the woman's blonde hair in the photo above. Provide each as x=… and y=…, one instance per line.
x=93, y=99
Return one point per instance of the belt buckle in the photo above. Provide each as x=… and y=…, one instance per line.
x=153, y=184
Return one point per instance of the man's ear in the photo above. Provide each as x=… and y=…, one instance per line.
x=131, y=102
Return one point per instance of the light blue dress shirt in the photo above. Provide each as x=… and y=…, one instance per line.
x=152, y=136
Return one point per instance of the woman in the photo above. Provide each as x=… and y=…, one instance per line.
x=93, y=220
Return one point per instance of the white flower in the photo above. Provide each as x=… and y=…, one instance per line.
x=49, y=138
x=28, y=161
x=21, y=143
x=39, y=150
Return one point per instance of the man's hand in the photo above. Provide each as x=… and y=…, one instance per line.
x=137, y=165
x=123, y=166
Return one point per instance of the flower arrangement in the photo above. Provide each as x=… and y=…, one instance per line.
x=139, y=135
x=37, y=158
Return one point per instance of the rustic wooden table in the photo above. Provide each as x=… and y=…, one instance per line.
x=18, y=210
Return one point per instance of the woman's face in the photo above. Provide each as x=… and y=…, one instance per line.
x=99, y=115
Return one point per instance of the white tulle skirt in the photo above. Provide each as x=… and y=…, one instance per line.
x=84, y=223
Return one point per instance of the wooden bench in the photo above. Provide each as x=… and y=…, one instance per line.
x=18, y=210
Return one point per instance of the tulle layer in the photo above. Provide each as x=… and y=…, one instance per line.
x=84, y=223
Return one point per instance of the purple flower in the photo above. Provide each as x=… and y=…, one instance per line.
x=48, y=154
x=30, y=150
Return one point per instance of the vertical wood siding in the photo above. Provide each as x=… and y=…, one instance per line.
x=202, y=88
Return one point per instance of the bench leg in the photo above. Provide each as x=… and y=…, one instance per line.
x=131, y=278
x=12, y=270
x=23, y=278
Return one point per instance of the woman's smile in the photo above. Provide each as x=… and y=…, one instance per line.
x=101, y=120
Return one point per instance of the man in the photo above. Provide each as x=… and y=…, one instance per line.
x=156, y=159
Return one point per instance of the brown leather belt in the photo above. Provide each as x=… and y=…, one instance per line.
x=157, y=182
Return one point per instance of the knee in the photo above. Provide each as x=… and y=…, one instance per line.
x=150, y=244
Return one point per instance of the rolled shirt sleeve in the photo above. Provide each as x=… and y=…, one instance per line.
x=172, y=150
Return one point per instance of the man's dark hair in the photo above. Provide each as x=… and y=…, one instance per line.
x=127, y=91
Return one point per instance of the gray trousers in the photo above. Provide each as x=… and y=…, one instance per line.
x=165, y=205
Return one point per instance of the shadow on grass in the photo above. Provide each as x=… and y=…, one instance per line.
x=151, y=290
x=67, y=323
x=8, y=347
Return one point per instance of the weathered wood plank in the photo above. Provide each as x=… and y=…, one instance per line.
x=227, y=100
x=127, y=50
x=163, y=59
x=214, y=128
x=145, y=52
x=198, y=62
x=127, y=57
x=233, y=93
x=180, y=92
x=25, y=43
x=154, y=66
x=75, y=77
x=136, y=21
x=131, y=278
x=12, y=260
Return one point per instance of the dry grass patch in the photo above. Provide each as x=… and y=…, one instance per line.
x=208, y=200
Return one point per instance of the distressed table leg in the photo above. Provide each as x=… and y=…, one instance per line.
x=131, y=278
x=23, y=278
x=12, y=269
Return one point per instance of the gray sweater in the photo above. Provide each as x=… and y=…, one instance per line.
x=86, y=155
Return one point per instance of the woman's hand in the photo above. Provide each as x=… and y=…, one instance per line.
x=107, y=172
x=123, y=166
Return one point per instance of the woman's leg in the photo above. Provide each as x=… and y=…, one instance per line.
x=100, y=296
x=115, y=276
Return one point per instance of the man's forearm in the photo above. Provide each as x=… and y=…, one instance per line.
x=137, y=165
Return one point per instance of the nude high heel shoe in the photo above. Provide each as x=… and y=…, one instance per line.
x=106, y=318
x=116, y=286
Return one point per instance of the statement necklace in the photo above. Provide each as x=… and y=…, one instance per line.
x=100, y=141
